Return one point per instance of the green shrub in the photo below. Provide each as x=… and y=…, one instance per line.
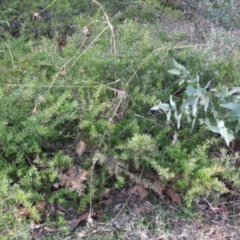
x=97, y=89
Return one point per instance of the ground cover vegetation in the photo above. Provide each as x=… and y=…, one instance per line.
x=119, y=117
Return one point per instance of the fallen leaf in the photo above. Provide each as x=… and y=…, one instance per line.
x=157, y=187
x=143, y=235
x=101, y=229
x=82, y=234
x=37, y=16
x=90, y=220
x=203, y=206
x=142, y=210
x=34, y=226
x=48, y=229
x=61, y=44
x=234, y=193
x=224, y=211
x=35, y=111
x=81, y=148
x=56, y=185
x=173, y=195
x=73, y=179
x=74, y=223
x=117, y=207
x=237, y=163
x=85, y=30
x=107, y=193
x=139, y=191
x=175, y=138
x=107, y=202
x=41, y=206
x=23, y=212
x=62, y=73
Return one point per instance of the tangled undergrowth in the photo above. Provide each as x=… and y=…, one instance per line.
x=78, y=137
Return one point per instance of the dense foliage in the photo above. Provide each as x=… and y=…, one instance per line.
x=77, y=84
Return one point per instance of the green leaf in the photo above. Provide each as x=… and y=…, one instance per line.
x=174, y=72
x=169, y=115
x=10, y=10
x=5, y=22
x=190, y=91
x=194, y=107
x=189, y=119
x=179, y=66
x=187, y=103
x=193, y=124
x=181, y=82
x=197, y=78
x=173, y=104
x=221, y=124
x=235, y=107
x=227, y=135
x=237, y=128
x=163, y=106
x=214, y=129
x=210, y=127
x=179, y=121
x=234, y=90
x=14, y=4
x=207, y=85
x=225, y=132
x=176, y=115
x=233, y=114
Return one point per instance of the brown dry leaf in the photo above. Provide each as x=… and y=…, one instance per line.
x=174, y=138
x=82, y=235
x=62, y=73
x=81, y=148
x=234, y=193
x=73, y=179
x=224, y=211
x=154, y=182
x=56, y=185
x=203, y=206
x=35, y=111
x=107, y=193
x=117, y=207
x=34, y=226
x=37, y=16
x=48, y=229
x=173, y=195
x=23, y=212
x=157, y=187
x=83, y=218
x=139, y=191
x=85, y=31
x=37, y=161
x=237, y=163
x=107, y=202
x=41, y=206
x=90, y=220
x=142, y=210
x=236, y=145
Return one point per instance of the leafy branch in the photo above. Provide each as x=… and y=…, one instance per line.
x=220, y=103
